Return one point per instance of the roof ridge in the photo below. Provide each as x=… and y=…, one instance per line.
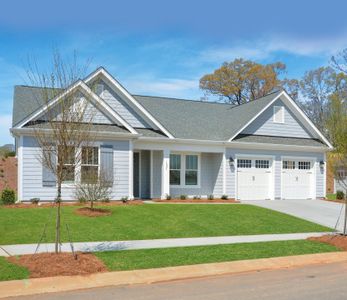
x=181, y=99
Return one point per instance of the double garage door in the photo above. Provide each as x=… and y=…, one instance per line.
x=256, y=180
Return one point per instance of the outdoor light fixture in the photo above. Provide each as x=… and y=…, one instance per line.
x=321, y=163
x=231, y=161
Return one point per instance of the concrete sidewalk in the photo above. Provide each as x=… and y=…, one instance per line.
x=70, y=283
x=6, y=250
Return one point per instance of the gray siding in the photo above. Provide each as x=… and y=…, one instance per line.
x=211, y=178
x=264, y=124
x=317, y=157
x=145, y=174
x=32, y=172
x=122, y=107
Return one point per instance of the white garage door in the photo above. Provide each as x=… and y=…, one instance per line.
x=297, y=179
x=254, y=179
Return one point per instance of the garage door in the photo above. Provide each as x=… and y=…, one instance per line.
x=254, y=179
x=297, y=179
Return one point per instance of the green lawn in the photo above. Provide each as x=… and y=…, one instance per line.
x=25, y=225
x=10, y=271
x=156, y=258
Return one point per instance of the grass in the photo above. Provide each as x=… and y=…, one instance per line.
x=9, y=271
x=156, y=258
x=331, y=196
x=25, y=225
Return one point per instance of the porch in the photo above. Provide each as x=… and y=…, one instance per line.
x=159, y=173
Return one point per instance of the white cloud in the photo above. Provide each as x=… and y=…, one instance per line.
x=5, y=125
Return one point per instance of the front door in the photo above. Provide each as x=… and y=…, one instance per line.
x=136, y=177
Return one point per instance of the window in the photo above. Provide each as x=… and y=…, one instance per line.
x=262, y=163
x=304, y=165
x=244, y=163
x=278, y=114
x=341, y=173
x=288, y=164
x=191, y=176
x=67, y=160
x=90, y=164
x=175, y=169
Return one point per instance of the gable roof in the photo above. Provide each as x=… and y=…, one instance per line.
x=189, y=119
x=178, y=118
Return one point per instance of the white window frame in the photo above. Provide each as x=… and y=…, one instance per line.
x=183, y=170
x=70, y=182
x=281, y=110
x=89, y=165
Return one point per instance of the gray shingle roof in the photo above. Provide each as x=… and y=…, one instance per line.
x=279, y=140
x=199, y=120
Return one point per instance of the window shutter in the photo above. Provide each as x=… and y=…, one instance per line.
x=106, y=163
x=48, y=177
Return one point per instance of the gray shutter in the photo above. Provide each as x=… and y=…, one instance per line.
x=48, y=177
x=106, y=163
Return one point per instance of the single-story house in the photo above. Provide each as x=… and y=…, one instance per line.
x=158, y=146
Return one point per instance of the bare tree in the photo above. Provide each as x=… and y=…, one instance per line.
x=65, y=124
x=93, y=187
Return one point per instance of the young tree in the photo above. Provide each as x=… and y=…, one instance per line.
x=337, y=126
x=242, y=80
x=65, y=126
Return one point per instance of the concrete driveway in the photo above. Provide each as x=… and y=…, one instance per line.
x=318, y=211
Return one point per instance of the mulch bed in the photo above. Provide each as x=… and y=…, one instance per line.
x=62, y=264
x=339, y=241
x=197, y=201
x=336, y=200
x=95, y=212
x=50, y=204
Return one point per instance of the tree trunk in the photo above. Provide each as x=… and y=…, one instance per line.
x=57, y=223
x=345, y=218
x=91, y=204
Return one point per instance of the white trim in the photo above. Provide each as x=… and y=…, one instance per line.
x=224, y=170
x=20, y=169
x=254, y=157
x=297, y=109
x=131, y=171
x=183, y=170
x=313, y=183
x=165, y=174
x=103, y=72
x=151, y=173
x=324, y=175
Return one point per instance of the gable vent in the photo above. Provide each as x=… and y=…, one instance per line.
x=278, y=114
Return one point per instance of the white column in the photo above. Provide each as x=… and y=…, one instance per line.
x=165, y=174
x=131, y=170
x=224, y=169
x=20, y=168
x=151, y=174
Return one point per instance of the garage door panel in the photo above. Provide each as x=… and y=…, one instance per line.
x=297, y=179
x=254, y=179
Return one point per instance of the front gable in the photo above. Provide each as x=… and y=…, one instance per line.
x=288, y=125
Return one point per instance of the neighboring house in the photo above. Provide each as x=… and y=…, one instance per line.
x=157, y=146
x=340, y=184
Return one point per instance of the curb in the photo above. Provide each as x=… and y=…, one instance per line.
x=69, y=283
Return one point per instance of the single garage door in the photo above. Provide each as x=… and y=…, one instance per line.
x=254, y=179
x=297, y=179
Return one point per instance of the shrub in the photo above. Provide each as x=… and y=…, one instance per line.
x=124, y=199
x=106, y=200
x=10, y=154
x=340, y=195
x=183, y=197
x=197, y=197
x=82, y=200
x=210, y=197
x=8, y=196
x=168, y=197
x=224, y=197
x=35, y=200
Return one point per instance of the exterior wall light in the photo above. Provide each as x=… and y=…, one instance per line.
x=321, y=163
x=231, y=161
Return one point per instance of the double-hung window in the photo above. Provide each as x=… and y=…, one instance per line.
x=66, y=157
x=184, y=170
x=90, y=164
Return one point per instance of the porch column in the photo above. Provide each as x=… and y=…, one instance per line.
x=224, y=169
x=131, y=170
x=165, y=174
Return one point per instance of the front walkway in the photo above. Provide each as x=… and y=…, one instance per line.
x=326, y=213
x=6, y=250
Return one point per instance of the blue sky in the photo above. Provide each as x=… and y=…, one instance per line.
x=164, y=47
